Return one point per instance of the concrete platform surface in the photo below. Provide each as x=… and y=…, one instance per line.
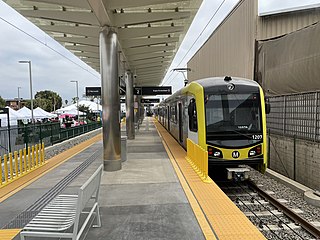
x=144, y=200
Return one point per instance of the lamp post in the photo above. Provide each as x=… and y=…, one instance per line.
x=77, y=97
x=31, y=96
x=19, y=97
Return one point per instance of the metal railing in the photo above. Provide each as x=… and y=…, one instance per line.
x=16, y=165
x=19, y=137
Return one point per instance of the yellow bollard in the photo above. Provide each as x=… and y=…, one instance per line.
x=25, y=159
x=37, y=156
x=20, y=161
x=11, y=166
x=0, y=170
x=16, y=163
x=42, y=152
x=5, y=164
x=29, y=159
x=40, y=157
x=32, y=156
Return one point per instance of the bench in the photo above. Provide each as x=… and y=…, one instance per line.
x=61, y=217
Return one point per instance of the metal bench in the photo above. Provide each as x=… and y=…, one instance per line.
x=60, y=218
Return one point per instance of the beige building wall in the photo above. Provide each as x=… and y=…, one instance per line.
x=230, y=49
x=280, y=24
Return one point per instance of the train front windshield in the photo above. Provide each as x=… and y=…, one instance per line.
x=233, y=120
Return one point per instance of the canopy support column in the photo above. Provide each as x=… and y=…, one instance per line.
x=110, y=99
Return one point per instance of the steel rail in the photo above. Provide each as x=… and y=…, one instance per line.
x=289, y=213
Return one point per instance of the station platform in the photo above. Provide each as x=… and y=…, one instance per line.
x=156, y=195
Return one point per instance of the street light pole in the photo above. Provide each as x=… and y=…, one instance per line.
x=19, y=97
x=31, y=96
x=77, y=97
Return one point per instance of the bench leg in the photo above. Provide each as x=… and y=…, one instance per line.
x=97, y=217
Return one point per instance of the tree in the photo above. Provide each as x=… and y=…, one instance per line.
x=74, y=100
x=47, y=100
x=85, y=109
x=2, y=102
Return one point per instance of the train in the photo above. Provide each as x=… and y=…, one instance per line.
x=224, y=115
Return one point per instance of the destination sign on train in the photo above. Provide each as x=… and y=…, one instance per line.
x=150, y=100
x=93, y=91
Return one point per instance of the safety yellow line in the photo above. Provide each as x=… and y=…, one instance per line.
x=202, y=220
x=24, y=181
x=8, y=234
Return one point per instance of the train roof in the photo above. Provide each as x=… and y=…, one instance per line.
x=210, y=82
x=220, y=81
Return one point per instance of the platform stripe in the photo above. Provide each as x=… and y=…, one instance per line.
x=227, y=221
x=8, y=234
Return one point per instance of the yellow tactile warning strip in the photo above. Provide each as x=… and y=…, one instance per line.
x=50, y=164
x=8, y=234
x=227, y=221
x=205, y=226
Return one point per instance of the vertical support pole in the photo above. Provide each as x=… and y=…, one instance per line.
x=129, y=106
x=284, y=114
x=110, y=98
x=42, y=151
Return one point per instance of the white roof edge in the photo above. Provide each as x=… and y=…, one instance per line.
x=287, y=10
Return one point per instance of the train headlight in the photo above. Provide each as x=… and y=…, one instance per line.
x=214, y=152
x=255, y=151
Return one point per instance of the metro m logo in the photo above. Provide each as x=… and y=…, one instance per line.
x=235, y=154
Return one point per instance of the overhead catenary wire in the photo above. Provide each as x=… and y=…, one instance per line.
x=51, y=48
x=195, y=41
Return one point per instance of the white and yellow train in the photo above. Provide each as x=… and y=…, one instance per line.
x=226, y=116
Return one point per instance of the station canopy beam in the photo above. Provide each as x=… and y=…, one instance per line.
x=149, y=31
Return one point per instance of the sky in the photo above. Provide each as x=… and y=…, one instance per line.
x=53, y=67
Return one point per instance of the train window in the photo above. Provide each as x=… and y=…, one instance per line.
x=173, y=113
x=192, y=112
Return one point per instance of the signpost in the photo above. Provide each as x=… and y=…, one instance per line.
x=149, y=91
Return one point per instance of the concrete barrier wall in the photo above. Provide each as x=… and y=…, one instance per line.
x=297, y=159
x=63, y=146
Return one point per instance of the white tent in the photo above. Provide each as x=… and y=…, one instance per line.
x=26, y=112
x=14, y=116
x=73, y=108
x=92, y=105
x=67, y=109
x=40, y=113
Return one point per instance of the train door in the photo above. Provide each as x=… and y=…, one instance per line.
x=180, y=122
x=168, y=117
x=192, y=120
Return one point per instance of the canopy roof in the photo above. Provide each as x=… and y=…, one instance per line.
x=149, y=31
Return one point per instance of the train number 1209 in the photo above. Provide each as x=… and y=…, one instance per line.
x=257, y=137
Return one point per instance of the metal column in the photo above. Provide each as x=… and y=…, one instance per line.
x=129, y=106
x=110, y=99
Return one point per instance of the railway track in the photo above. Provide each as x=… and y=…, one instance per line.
x=271, y=216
